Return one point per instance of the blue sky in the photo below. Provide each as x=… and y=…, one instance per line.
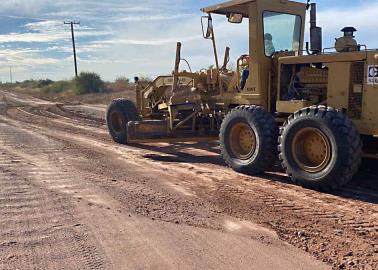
x=128, y=38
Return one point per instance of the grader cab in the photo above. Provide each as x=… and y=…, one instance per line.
x=309, y=107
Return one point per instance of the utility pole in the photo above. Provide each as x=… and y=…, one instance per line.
x=10, y=74
x=73, y=43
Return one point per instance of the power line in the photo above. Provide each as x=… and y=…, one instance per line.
x=73, y=43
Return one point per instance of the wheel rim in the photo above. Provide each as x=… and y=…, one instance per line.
x=116, y=121
x=242, y=141
x=311, y=150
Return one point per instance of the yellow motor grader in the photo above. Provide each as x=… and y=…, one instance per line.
x=313, y=108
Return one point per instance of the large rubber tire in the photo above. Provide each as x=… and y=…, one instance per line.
x=344, y=146
x=265, y=131
x=119, y=113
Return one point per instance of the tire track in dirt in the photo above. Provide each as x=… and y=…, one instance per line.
x=43, y=166
x=345, y=239
x=290, y=210
x=226, y=174
x=98, y=131
x=137, y=155
x=35, y=229
x=39, y=171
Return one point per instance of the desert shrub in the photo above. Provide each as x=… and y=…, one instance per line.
x=88, y=82
x=44, y=83
x=121, y=84
x=122, y=79
x=32, y=84
x=58, y=87
x=25, y=84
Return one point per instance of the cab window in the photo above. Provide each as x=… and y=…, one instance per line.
x=281, y=32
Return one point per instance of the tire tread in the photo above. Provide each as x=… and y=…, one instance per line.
x=267, y=124
x=128, y=110
x=346, y=128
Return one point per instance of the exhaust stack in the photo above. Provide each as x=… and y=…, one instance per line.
x=316, y=40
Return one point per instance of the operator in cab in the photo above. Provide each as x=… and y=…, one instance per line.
x=269, y=47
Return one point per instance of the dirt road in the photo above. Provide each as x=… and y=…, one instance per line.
x=70, y=198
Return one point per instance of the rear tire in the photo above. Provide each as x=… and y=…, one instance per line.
x=320, y=148
x=119, y=113
x=248, y=140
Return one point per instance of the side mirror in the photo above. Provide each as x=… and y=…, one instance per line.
x=208, y=34
x=235, y=18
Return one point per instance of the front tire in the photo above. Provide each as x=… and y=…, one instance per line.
x=248, y=140
x=119, y=113
x=319, y=147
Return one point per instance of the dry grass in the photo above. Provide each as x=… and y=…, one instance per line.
x=70, y=96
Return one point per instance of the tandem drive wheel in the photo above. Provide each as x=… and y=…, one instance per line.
x=248, y=139
x=320, y=148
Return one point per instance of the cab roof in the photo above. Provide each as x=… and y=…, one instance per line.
x=241, y=6
x=235, y=6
